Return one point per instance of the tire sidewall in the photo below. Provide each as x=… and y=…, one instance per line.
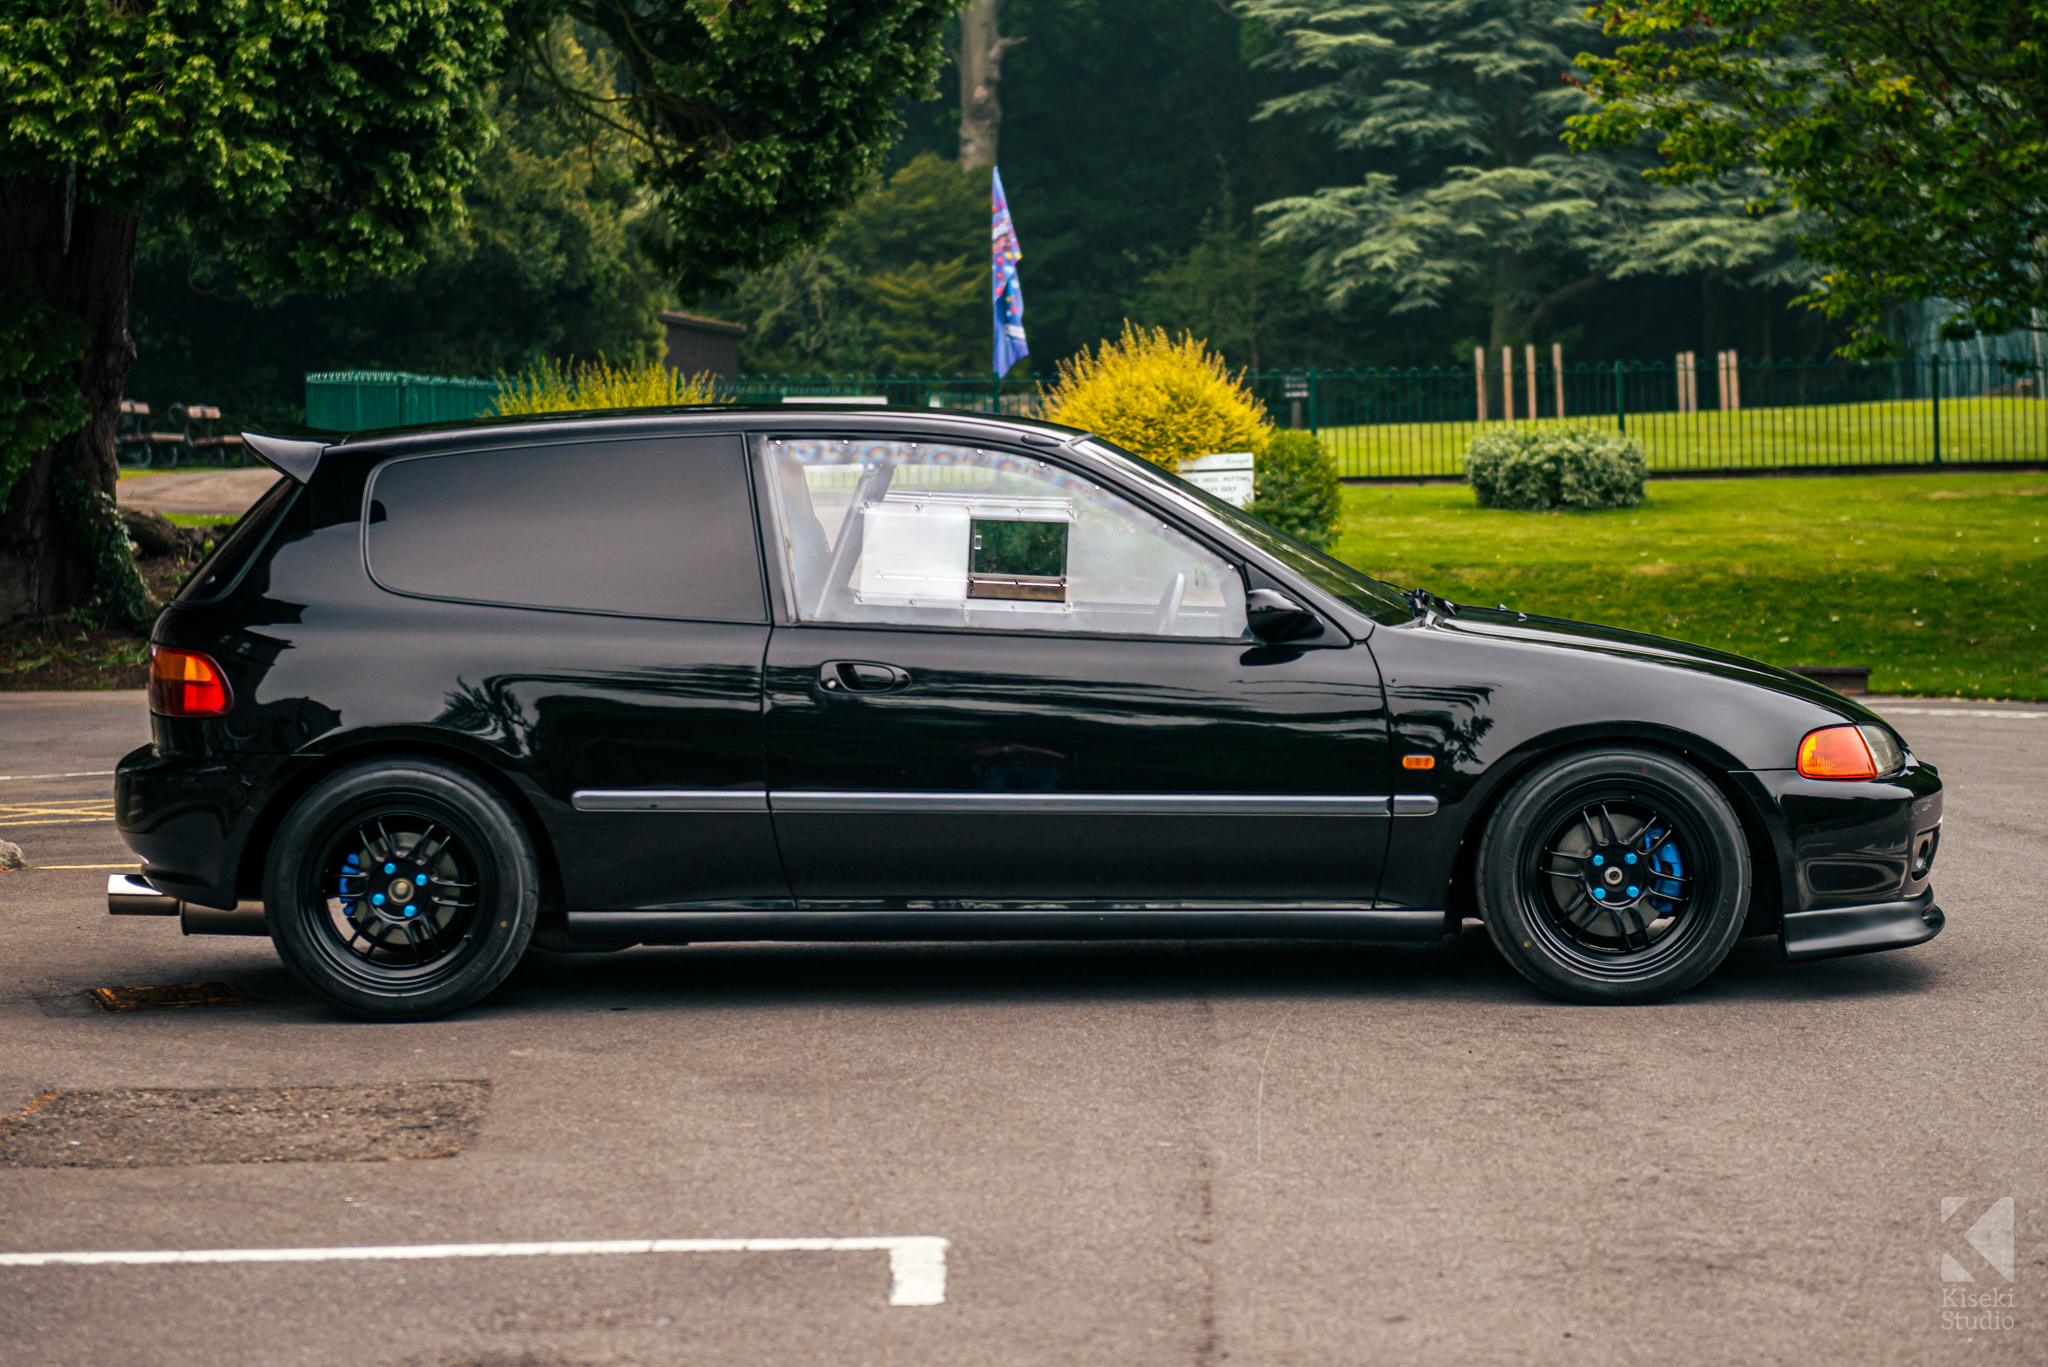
x=1660, y=779
x=505, y=926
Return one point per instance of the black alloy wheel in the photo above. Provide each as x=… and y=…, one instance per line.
x=398, y=890
x=1614, y=876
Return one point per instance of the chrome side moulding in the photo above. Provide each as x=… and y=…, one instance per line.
x=1094, y=804
x=1002, y=804
x=666, y=800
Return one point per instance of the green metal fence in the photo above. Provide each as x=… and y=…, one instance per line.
x=363, y=400
x=1698, y=414
x=1709, y=414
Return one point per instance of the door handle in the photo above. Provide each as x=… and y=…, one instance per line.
x=861, y=676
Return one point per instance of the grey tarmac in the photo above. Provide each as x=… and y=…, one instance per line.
x=1170, y=1153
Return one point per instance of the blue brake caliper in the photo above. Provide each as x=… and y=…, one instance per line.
x=1666, y=866
x=351, y=869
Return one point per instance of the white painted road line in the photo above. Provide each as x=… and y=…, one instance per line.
x=917, y=1263
x=91, y=773
x=1885, y=711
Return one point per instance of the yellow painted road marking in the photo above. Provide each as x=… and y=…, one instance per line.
x=54, y=813
x=53, y=868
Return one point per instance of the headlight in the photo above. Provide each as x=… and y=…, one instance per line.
x=1850, y=752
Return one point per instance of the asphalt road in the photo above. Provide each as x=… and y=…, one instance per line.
x=1251, y=1152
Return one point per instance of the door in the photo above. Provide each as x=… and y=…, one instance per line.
x=1009, y=686
x=601, y=623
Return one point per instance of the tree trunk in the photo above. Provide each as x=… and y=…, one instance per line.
x=80, y=258
x=979, y=59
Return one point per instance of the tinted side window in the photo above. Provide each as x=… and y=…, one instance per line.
x=647, y=528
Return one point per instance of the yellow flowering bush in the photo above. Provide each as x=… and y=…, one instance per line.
x=1166, y=399
x=557, y=387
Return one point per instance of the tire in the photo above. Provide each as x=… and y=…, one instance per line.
x=357, y=939
x=1647, y=836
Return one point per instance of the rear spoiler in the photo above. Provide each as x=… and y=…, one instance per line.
x=295, y=460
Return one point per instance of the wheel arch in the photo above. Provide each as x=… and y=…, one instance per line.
x=1767, y=870
x=302, y=778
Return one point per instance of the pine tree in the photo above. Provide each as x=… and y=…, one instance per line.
x=1472, y=96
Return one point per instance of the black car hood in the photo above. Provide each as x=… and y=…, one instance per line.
x=1613, y=642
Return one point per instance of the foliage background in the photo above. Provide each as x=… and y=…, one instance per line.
x=547, y=264
x=1133, y=162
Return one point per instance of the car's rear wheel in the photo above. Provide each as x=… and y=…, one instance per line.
x=1614, y=876
x=397, y=890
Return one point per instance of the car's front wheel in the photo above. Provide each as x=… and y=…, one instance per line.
x=1614, y=876
x=397, y=890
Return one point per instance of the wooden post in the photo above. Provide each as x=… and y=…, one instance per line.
x=1479, y=377
x=1557, y=373
x=1529, y=361
x=1507, y=383
x=1731, y=381
x=1934, y=387
x=1681, y=366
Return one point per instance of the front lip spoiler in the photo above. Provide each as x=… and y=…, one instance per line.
x=1837, y=931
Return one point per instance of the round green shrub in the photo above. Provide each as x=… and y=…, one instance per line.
x=1535, y=469
x=1296, y=488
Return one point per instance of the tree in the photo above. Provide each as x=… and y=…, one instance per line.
x=1242, y=296
x=547, y=263
x=317, y=140
x=1471, y=95
x=901, y=284
x=757, y=124
x=1918, y=129
x=979, y=60
x=311, y=141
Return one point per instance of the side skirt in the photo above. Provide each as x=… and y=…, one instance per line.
x=1176, y=923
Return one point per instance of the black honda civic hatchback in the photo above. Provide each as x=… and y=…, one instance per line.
x=666, y=676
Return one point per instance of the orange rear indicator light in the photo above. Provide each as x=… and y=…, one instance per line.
x=1837, y=752
x=184, y=683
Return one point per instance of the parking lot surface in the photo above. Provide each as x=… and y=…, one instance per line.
x=1137, y=1153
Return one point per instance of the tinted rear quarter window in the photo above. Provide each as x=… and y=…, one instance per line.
x=660, y=527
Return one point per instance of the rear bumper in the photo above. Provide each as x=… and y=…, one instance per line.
x=1837, y=931
x=188, y=818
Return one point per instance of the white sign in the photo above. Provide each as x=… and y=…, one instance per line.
x=1227, y=475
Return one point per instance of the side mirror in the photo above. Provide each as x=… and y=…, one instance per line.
x=1274, y=617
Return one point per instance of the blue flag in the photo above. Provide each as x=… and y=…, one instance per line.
x=1009, y=294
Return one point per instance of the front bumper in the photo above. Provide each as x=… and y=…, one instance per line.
x=1835, y=931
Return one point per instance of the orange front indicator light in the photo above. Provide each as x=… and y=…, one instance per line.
x=1418, y=761
x=1838, y=752
x=184, y=683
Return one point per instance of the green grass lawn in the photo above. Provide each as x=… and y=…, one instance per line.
x=1936, y=582
x=1877, y=433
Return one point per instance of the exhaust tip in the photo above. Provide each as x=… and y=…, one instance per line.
x=130, y=896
